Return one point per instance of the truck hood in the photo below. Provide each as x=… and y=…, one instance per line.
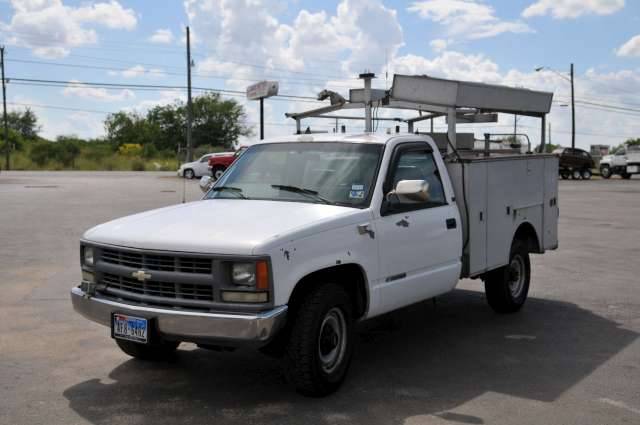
x=220, y=226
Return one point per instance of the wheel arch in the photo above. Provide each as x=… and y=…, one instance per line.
x=527, y=233
x=351, y=276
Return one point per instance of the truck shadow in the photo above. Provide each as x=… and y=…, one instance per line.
x=427, y=359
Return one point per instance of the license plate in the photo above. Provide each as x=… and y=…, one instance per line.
x=130, y=328
x=632, y=169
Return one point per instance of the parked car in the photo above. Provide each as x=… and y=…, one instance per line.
x=575, y=163
x=625, y=162
x=219, y=162
x=198, y=168
x=305, y=236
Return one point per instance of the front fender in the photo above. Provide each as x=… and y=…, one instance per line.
x=293, y=260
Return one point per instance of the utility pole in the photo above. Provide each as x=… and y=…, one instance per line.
x=515, y=128
x=573, y=113
x=262, y=118
x=7, y=148
x=549, y=132
x=189, y=106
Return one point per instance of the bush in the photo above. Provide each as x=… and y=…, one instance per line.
x=130, y=149
x=137, y=165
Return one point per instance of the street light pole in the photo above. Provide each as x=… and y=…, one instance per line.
x=573, y=113
x=573, y=101
x=4, y=111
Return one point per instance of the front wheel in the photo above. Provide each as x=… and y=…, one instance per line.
x=576, y=175
x=162, y=350
x=586, y=174
x=564, y=175
x=189, y=174
x=605, y=171
x=507, y=287
x=321, y=342
x=626, y=176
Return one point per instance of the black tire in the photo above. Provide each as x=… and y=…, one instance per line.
x=217, y=172
x=163, y=350
x=564, y=175
x=576, y=175
x=507, y=287
x=625, y=176
x=188, y=174
x=314, y=335
x=586, y=174
x=605, y=172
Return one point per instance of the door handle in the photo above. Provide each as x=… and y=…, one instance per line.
x=451, y=223
x=365, y=229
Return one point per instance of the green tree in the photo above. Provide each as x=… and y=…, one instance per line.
x=130, y=128
x=24, y=123
x=218, y=122
x=171, y=122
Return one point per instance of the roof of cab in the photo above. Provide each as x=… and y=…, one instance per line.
x=377, y=138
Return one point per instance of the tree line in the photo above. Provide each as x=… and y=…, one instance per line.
x=130, y=136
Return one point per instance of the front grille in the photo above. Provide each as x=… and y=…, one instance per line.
x=148, y=290
x=166, y=263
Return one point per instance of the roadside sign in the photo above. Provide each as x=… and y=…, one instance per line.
x=262, y=89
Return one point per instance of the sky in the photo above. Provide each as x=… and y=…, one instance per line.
x=310, y=45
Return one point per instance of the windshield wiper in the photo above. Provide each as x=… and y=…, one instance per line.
x=235, y=190
x=295, y=189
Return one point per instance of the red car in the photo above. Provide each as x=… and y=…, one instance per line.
x=219, y=162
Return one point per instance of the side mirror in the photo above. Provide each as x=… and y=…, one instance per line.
x=410, y=191
x=205, y=183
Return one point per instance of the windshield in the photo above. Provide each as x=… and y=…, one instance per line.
x=318, y=172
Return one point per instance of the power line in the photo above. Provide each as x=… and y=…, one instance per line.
x=159, y=72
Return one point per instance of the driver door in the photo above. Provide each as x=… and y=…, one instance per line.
x=420, y=242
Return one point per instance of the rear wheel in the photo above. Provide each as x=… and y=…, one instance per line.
x=507, y=287
x=626, y=176
x=586, y=174
x=162, y=350
x=217, y=171
x=321, y=342
x=576, y=174
x=605, y=171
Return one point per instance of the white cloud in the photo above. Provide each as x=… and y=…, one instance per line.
x=562, y=9
x=137, y=71
x=630, y=48
x=52, y=29
x=78, y=89
x=439, y=44
x=470, y=19
x=449, y=64
x=162, y=36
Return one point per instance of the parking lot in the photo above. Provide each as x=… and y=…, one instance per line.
x=572, y=356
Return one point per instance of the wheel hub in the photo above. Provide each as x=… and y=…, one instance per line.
x=332, y=340
x=516, y=276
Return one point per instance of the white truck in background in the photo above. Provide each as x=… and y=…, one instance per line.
x=306, y=235
x=625, y=162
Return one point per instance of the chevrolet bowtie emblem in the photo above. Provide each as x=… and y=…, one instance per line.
x=141, y=275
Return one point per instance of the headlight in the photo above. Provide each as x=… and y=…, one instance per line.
x=251, y=274
x=244, y=274
x=87, y=256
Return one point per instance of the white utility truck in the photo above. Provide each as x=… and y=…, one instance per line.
x=304, y=236
x=625, y=162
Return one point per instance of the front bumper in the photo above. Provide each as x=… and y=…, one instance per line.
x=192, y=326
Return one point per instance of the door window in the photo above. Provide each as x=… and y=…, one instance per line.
x=416, y=164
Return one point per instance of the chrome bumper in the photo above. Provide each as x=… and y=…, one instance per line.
x=192, y=326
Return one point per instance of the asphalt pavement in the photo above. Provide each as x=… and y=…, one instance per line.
x=571, y=356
